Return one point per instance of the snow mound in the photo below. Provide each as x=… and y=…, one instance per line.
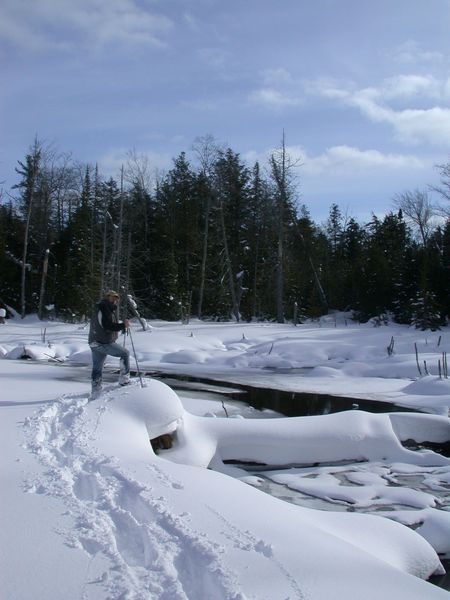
x=185, y=357
x=156, y=405
x=429, y=385
x=421, y=428
x=324, y=372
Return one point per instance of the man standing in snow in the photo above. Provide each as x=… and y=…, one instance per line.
x=103, y=334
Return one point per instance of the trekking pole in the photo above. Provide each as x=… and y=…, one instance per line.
x=126, y=331
x=135, y=358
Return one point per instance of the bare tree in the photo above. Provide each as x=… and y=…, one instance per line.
x=206, y=149
x=419, y=210
x=30, y=172
x=120, y=232
x=59, y=184
x=43, y=284
x=48, y=183
x=139, y=172
x=444, y=189
x=281, y=172
x=235, y=297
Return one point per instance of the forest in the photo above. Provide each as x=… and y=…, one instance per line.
x=215, y=238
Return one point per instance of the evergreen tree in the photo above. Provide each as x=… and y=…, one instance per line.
x=165, y=289
x=445, y=274
x=11, y=234
x=425, y=312
x=406, y=286
x=259, y=302
x=354, y=242
x=308, y=259
x=384, y=265
x=108, y=214
x=232, y=192
x=141, y=224
x=335, y=264
x=185, y=225
x=77, y=293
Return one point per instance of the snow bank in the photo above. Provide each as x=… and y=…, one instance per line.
x=156, y=405
x=160, y=523
x=351, y=435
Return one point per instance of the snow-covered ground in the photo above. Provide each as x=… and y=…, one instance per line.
x=89, y=512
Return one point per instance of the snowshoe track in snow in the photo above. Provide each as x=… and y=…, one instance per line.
x=119, y=518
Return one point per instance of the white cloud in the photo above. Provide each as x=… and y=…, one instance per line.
x=328, y=88
x=411, y=125
x=279, y=89
x=342, y=160
x=276, y=76
x=347, y=160
x=401, y=87
x=410, y=52
x=447, y=89
x=429, y=125
x=275, y=99
x=86, y=23
x=20, y=31
x=411, y=86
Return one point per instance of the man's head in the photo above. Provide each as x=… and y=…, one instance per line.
x=112, y=296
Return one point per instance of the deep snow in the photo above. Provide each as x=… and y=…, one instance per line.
x=89, y=511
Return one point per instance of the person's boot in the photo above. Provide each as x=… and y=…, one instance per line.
x=96, y=391
x=124, y=380
x=124, y=375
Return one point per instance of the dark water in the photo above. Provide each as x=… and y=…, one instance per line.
x=443, y=581
x=297, y=404
x=289, y=404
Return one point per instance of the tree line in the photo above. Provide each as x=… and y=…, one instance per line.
x=214, y=238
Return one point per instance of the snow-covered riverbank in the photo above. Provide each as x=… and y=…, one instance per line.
x=341, y=357
x=91, y=512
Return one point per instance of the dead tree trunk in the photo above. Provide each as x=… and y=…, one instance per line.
x=228, y=267
x=43, y=283
x=201, y=290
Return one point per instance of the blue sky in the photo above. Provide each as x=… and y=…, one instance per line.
x=360, y=87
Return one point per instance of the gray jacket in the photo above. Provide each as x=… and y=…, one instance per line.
x=104, y=325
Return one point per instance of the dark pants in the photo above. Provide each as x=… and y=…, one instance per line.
x=99, y=354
